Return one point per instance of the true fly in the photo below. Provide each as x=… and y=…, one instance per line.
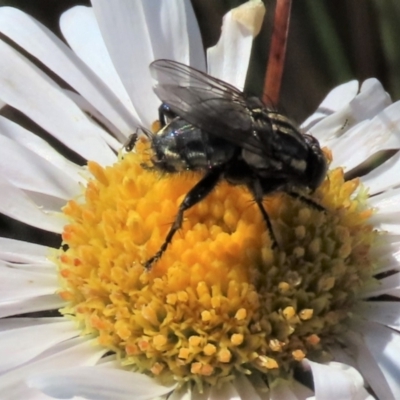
x=209, y=125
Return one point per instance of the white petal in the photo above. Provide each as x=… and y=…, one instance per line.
x=174, y=32
x=30, y=394
x=386, y=202
x=370, y=101
x=39, y=146
x=337, y=381
x=284, y=390
x=80, y=29
x=383, y=177
x=28, y=171
x=19, y=251
x=98, y=384
x=343, y=355
x=196, y=49
x=387, y=217
x=302, y=392
x=30, y=304
x=20, y=284
x=7, y=324
x=45, y=201
x=384, y=345
x=381, y=133
x=226, y=391
x=51, y=51
x=184, y=394
x=124, y=29
x=229, y=58
x=389, y=285
x=29, y=90
x=190, y=394
x=67, y=354
x=32, y=340
x=30, y=267
x=333, y=102
x=84, y=105
x=136, y=33
x=16, y=204
x=384, y=312
x=109, y=361
x=387, y=253
x=60, y=355
x=261, y=387
x=245, y=388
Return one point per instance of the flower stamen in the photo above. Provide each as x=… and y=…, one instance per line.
x=220, y=300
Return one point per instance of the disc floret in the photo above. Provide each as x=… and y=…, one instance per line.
x=220, y=301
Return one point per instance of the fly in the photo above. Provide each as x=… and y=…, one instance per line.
x=210, y=126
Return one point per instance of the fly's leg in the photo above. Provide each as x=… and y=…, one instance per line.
x=306, y=200
x=258, y=194
x=165, y=114
x=267, y=222
x=131, y=141
x=200, y=191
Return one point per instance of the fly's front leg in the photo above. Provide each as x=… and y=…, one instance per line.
x=165, y=114
x=131, y=141
x=201, y=190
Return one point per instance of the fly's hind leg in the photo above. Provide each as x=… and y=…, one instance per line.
x=200, y=191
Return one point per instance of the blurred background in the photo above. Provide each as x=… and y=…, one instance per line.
x=330, y=42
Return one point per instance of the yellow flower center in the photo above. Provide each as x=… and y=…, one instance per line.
x=220, y=300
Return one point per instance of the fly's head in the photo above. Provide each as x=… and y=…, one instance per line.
x=317, y=165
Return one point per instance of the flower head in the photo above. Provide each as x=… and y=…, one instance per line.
x=220, y=301
x=222, y=312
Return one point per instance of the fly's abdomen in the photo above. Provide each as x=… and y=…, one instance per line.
x=180, y=146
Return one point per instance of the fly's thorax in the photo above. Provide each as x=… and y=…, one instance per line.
x=259, y=162
x=180, y=146
x=254, y=103
x=166, y=150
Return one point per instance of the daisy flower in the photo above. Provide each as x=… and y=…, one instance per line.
x=221, y=315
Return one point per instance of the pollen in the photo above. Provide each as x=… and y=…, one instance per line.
x=220, y=300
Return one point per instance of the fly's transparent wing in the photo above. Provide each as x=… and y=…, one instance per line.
x=206, y=102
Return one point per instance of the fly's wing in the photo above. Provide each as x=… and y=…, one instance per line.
x=206, y=102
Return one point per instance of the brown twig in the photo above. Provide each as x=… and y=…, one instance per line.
x=276, y=60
